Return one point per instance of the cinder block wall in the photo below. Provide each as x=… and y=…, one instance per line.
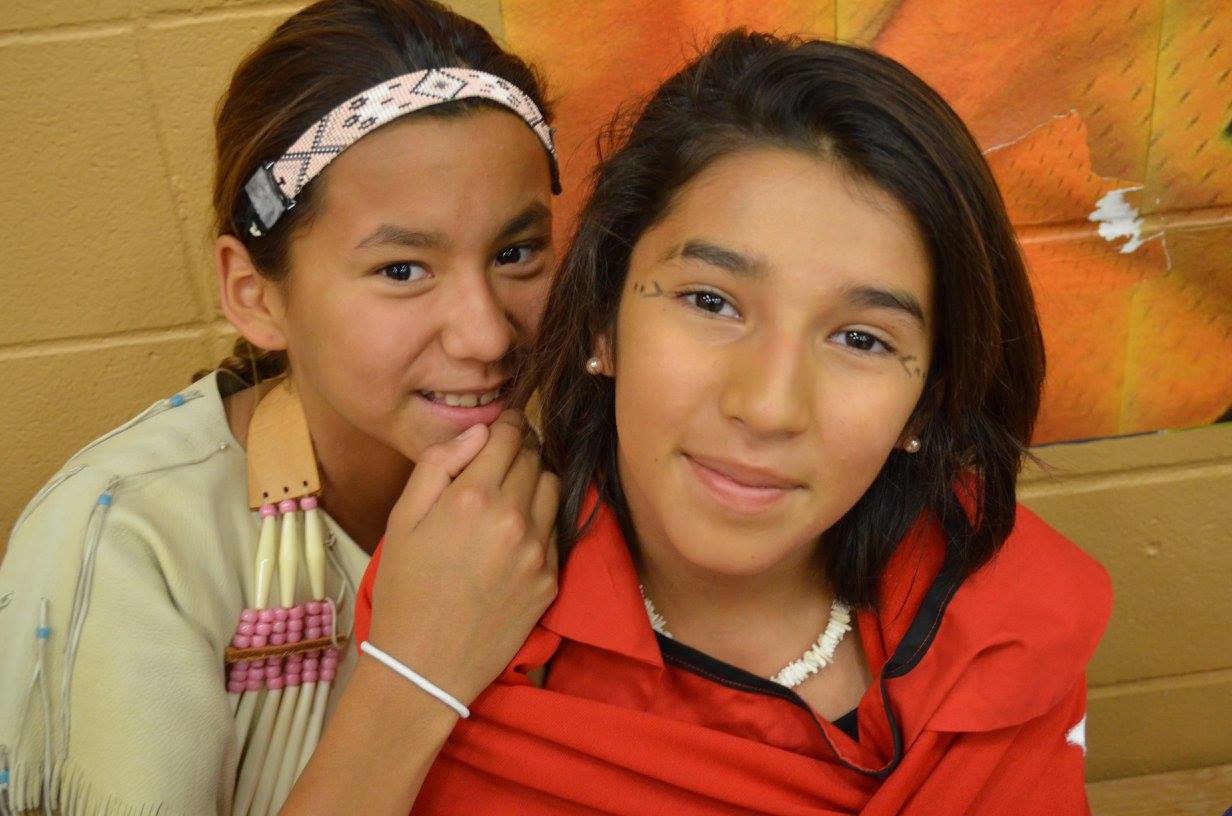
x=108, y=304
x=1154, y=509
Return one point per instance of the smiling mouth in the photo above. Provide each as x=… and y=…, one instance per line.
x=465, y=399
x=740, y=488
x=745, y=475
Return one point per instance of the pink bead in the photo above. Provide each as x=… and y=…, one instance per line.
x=328, y=662
x=314, y=607
x=264, y=629
x=277, y=639
x=259, y=663
x=309, y=503
x=296, y=613
x=312, y=620
x=280, y=614
x=268, y=510
x=259, y=641
x=311, y=662
x=273, y=671
x=274, y=683
x=241, y=642
x=238, y=672
x=292, y=679
x=286, y=506
x=312, y=632
x=279, y=626
x=294, y=659
x=246, y=629
x=327, y=615
x=293, y=637
x=327, y=675
x=236, y=686
x=295, y=625
x=331, y=652
x=249, y=616
x=309, y=675
x=266, y=616
x=253, y=684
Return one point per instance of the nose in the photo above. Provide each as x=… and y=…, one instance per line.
x=475, y=325
x=768, y=387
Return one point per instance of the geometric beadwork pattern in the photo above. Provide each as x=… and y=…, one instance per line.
x=345, y=124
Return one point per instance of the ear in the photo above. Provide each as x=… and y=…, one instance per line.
x=926, y=409
x=602, y=349
x=253, y=303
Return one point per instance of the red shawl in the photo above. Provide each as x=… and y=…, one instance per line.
x=977, y=705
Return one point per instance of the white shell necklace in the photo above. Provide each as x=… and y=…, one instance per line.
x=818, y=656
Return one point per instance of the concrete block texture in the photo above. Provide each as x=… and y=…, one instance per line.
x=19, y=15
x=1164, y=538
x=90, y=240
x=1159, y=727
x=56, y=402
x=1153, y=509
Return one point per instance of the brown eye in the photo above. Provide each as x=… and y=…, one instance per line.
x=861, y=341
x=711, y=303
x=520, y=254
x=403, y=271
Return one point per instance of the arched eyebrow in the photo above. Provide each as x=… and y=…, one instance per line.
x=871, y=297
x=746, y=266
x=536, y=214
x=401, y=236
x=729, y=260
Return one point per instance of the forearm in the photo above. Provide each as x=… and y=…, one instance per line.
x=379, y=744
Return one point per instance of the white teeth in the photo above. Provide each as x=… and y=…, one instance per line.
x=463, y=400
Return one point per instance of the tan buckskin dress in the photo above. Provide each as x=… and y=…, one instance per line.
x=142, y=546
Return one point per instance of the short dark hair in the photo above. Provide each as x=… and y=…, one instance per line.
x=879, y=121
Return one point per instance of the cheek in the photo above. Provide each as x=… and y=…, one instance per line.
x=663, y=379
x=859, y=424
x=367, y=342
x=524, y=303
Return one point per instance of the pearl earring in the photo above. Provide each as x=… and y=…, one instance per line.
x=913, y=445
x=593, y=366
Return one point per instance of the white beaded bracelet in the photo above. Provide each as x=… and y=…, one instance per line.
x=418, y=679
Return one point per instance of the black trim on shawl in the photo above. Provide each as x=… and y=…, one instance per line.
x=910, y=650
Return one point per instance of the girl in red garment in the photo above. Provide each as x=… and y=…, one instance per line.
x=788, y=373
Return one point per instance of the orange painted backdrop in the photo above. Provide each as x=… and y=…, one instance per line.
x=1106, y=123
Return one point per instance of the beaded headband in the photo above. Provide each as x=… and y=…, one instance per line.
x=273, y=187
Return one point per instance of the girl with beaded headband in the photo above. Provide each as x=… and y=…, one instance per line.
x=179, y=596
x=788, y=373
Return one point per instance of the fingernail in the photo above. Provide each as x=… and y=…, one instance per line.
x=471, y=432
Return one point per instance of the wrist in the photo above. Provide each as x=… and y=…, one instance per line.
x=377, y=747
x=413, y=677
x=449, y=671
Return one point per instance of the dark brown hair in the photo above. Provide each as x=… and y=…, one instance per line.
x=317, y=59
x=879, y=121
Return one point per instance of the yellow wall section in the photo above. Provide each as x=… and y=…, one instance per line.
x=108, y=304
x=1154, y=510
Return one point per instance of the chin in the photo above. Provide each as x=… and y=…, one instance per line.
x=730, y=552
